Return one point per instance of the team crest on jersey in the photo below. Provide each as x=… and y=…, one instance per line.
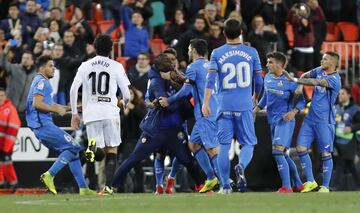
x=41, y=85
x=280, y=84
x=143, y=140
x=181, y=136
x=68, y=138
x=346, y=116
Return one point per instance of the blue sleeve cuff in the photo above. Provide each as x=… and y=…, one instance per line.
x=184, y=92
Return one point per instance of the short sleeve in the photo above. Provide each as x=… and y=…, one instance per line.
x=191, y=73
x=40, y=87
x=334, y=81
x=256, y=61
x=313, y=73
x=213, y=61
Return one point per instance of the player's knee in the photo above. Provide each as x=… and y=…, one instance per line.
x=301, y=149
x=194, y=147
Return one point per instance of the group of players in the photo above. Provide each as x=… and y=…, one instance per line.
x=225, y=90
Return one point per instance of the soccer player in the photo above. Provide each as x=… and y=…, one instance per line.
x=319, y=124
x=100, y=78
x=235, y=65
x=203, y=143
x=279, y=99
x=39, y=107
x=162, y=127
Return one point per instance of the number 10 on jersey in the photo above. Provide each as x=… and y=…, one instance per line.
x=240, y=70
x=99, y=88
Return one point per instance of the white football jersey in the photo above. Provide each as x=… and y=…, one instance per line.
x=100, y=78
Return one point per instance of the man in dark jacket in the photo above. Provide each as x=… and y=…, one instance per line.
x=197, y=31
x=162, y=128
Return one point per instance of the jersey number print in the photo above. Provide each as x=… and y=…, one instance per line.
x=241, y=71
x=102, y=76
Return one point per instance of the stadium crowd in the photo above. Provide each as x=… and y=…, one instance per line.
x=141, y=29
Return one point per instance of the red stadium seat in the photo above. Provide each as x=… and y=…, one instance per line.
x=290, y=34
x=157, y=45
x=349, y=30
x=332, y=31
x=105, y=25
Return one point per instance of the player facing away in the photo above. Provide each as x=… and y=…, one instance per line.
x=100, y=78
x=236, y=66
x=278, y=98
x=319, y=123
x=39, y=107
x=203, y=143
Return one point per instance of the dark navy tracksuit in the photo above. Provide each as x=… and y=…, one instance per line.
x=166, y=132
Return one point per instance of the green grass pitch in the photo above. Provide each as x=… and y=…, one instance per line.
x=340, y=202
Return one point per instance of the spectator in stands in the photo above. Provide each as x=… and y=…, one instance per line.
x=56, y=15
x=347, y=136
x=9, y=127
x=130, y=120
x=319, y=30
x=210, y=16
x=80, y=27
x=274, y=13
x=13, y=26
x=85, y=6
x=138, y=74
x=21, y=76
x=58, y=4
x=136, y=36
x=54, y=31
x=144, y=7
x=304, y=39
x=177, y=27
x=196, y=31
x=37, y=51
x=216, y=38
x=31, y=19
x=74, y=48
x=237, y=15
x=262, y=37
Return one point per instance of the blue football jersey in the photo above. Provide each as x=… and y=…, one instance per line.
x=235, y=65
x=197, y=72
x=36, y=118
x=322, y=108
x=278, y=97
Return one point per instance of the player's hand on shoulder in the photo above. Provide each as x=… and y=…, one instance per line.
x=75, y=121
x=163, y=102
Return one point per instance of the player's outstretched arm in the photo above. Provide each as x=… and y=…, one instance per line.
x=38, y=103
x=184, y=92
